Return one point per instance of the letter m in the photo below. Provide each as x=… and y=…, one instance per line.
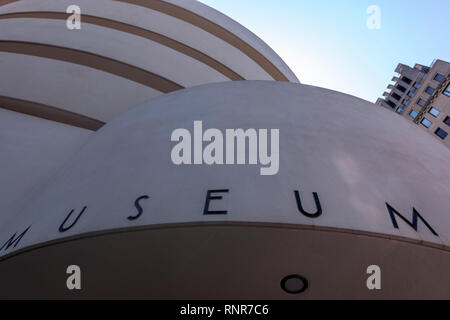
x=13, y=240
x=415, y=216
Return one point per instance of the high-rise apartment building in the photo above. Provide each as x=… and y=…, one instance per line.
x=422, y=95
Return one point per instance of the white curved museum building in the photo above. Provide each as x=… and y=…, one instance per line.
x=170, y=153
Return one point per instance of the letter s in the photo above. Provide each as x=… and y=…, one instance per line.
x=138, y=207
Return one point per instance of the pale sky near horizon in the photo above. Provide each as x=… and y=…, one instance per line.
x=328, y=44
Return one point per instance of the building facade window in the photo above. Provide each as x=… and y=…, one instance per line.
x=401, y=88
x=447, y=91
x=413, y=114
x=395, y=96
x=439, y=77
x=426, y=123
x=417, y=85
x=391, y=104
x=441, y=133
x=406, y=80
x=405, y=102
x=434, y=112
x=430, y=90
x=411, y=92
x=422, y=103
x=447, y=121
x=399, y=110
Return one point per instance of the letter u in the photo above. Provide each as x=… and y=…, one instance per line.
x=64, y=229
x=317, y=214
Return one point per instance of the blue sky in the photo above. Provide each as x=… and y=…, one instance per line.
x=328, y=44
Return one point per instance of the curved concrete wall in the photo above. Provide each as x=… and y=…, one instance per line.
x=330, y=143
x=32, y=151
x=31, y=82
x=163, y=46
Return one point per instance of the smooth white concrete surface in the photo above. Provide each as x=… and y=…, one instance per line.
x=173, y=28
x=239, y=30
x=120, y=46
x=31, y=151
x=76, y=88
x=355, y=156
